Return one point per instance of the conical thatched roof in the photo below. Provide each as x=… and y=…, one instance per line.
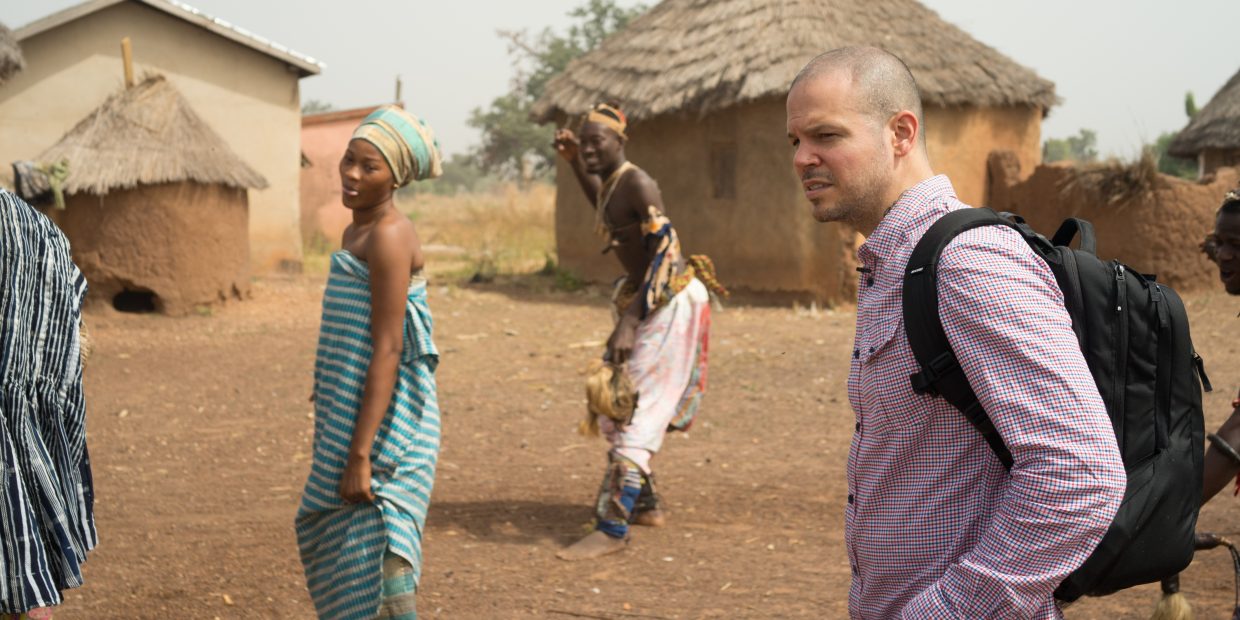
x=10, y=55
x=1217, y=126
x=703, y=55
x=147, y=134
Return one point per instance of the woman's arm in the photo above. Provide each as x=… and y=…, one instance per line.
x=389, y=253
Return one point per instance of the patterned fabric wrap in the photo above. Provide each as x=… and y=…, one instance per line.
x=400, y=589
x=47, y=521
x=668, y=370
x=610, y=117
x=668, y=273
x=625, y=491
x=407, y=143
x=988, y=543
x=342, y=545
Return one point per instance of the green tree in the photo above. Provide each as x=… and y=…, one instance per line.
x=461, y=174
x=1082, y=148
x=1169, y=164
x=315, y=106
x=514, y=146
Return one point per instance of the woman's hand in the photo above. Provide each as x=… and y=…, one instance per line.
x=566, y=144
x=620, y=344
x=355, y=482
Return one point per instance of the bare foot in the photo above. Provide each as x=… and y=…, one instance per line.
x=650, y=518
x=595, y=544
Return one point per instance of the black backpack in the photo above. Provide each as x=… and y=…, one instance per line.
x=1134, y=335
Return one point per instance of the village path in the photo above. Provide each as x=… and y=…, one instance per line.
x=199, y=431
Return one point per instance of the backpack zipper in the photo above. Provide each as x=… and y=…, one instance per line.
x=1121, y=351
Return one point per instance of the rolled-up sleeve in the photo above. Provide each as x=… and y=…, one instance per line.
x=1004, y=316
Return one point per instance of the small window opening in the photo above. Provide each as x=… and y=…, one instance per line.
x=723, y=170
x=139, y=301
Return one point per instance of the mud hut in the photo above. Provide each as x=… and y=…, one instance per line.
x=1213, y=137
x=704, y=83
x=10, y=55
x=246, y=86
x=1151, y=221
x=156, y=207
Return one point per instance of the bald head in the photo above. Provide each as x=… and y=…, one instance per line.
x=883, y=83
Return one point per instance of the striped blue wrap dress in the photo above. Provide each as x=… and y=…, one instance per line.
x=47, y=521
x=342, y=545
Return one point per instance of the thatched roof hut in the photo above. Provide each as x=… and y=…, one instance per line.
x=156, y=210
x=704, y=84
x=690, y=55
x=1213, y=137
x=147, y=135
x=11, y=60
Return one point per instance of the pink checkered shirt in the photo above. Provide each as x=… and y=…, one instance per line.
x=935, y=528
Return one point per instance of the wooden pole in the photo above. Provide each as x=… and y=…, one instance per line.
x=127, y=58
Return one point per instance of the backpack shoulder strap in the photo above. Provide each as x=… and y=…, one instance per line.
x=941, y=374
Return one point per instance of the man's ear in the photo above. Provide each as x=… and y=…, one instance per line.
x=905, y=132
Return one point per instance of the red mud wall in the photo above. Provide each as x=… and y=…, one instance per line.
x=324, y=138
x=1155, y=231
x=187, y=243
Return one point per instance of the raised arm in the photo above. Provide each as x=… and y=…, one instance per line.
x=568, y=147
x=389, y=253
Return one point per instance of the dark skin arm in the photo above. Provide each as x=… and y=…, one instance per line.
x=567, y=146
x=637, y=193
x=390, y=249
x=1219, y=468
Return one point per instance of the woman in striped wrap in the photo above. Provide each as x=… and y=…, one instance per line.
x=376, y=423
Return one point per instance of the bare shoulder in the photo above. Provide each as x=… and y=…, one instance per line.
x=643, y=186
x=392, y=239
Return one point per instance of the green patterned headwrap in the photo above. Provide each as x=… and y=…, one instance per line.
x=406, y=142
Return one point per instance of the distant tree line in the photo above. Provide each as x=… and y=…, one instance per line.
x=514, y=146
x=1083, y=147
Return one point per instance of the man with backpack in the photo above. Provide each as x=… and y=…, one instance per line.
x=936, y=526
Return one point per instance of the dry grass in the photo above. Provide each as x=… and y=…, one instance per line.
x=11, y=60
x=697, y=57
x=146, y=135
x=1116, y=180
x=507, y=231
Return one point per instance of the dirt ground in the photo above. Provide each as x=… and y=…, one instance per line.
x=199, y=431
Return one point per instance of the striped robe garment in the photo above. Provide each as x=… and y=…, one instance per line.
x=342, y=545
x=47, y=519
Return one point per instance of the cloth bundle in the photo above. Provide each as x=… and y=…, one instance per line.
x=610, y=393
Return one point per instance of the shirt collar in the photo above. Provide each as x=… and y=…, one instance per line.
x=903, y=216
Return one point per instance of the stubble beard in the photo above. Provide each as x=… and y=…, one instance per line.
x=856, y=205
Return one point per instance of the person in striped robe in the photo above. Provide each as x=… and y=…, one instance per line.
x=47, y=521
x=376, y=424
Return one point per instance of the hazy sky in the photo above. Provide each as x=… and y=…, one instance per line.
x=1121, y=68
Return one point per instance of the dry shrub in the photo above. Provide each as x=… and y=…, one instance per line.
x=505, y=231
x=1115, y=180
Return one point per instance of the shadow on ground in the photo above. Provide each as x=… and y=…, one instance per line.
x=511, y=522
